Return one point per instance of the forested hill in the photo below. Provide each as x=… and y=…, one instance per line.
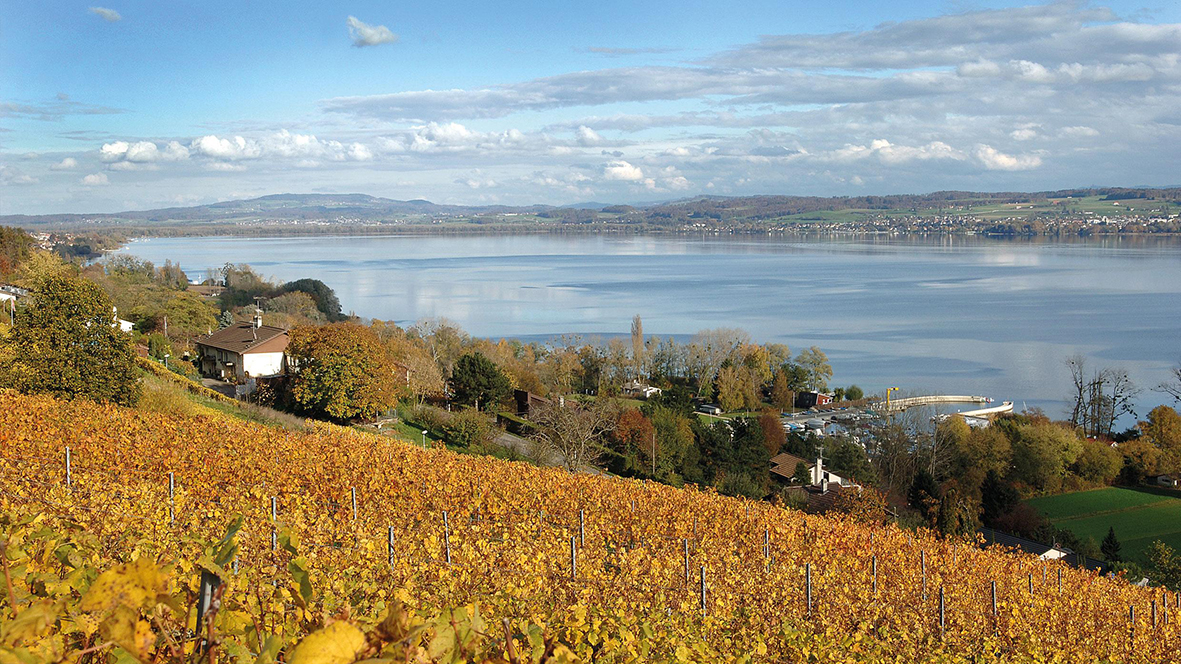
x=360, y=209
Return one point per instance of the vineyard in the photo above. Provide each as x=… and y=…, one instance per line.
x=343, y=546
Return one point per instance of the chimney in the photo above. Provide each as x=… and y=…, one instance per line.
x=818, y=470
x=258, y=319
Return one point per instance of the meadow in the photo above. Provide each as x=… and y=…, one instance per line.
x=1139, y=517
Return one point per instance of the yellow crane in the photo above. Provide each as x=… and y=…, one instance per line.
x=888, y=391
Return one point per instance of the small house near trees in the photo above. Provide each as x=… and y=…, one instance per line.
x=243, y=350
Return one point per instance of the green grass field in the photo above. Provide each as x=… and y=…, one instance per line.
x=1139, y=517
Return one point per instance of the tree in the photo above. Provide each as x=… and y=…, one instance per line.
x=15, y=247
x=801, y=474
x=225, y=320
x=574, y=433
x=1111, y=547
x=730, y=389
x=341, y=372
x=1166, y=565
x=957, y=513
x=638, y=354
x=774, y=435
x=67, y=343
x=924, y=495
x=864, y=505
x=997, y=497
x=854, y=393
x=1172, y=387
x=476, y=380
x=1100, y=397
x=815, y=362
x=326, y=300
x=783, y=396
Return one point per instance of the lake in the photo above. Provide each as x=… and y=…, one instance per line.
x=948, y=314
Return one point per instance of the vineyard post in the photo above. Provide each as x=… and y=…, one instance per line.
x=923, y=565
x=171, y=498
x=1154, y=613
x=766, y=542
x=686, y=543
x=581, y=528
x=235, y=565
x=69, y=477
x=703, y=609
x=874, y=565
x=808, y=585
x=1131, y=628
x=573, y=560
x=694, y=526
x=354, y=492
x=1059, y=578
x=389, y=546
x=994, y=613
x=942, y=614
x=447, y=536
x=274, y=519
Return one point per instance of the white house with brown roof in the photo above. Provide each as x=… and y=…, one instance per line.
x=243, y=350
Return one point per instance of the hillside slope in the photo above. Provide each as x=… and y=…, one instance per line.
x=433, y=530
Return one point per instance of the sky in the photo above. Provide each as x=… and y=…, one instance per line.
x=145, y=104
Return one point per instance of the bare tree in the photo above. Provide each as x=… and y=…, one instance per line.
x=1172, y=387
x=1100, y=397
x=575, y=433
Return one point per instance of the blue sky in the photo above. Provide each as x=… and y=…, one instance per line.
x=132, y=105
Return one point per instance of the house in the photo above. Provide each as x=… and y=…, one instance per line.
x=783, y=467
x=709, y=409
x=638, y=390
x=812, y=399
x=1166, y=480
x=526, y=401
x=243, y=351
x=1044, y=551
x=11, y=294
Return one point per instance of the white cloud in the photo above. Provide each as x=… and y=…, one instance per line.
x=1023, y=134
x=142, y=152
x=12, y=176
x=95, y=179
x=224, y=167
x=995, y=160
x=889, y=153
x=109, y=15
x=588, y=137
x=225, y=148
x=364, y=34
x=1079, y=132
x=622, y=171
x=359, y=152
x=69, y=163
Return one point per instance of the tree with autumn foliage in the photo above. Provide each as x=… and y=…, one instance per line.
x=67, y=343
x=341, y=372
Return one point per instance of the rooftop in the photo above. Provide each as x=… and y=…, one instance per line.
x=243, y=338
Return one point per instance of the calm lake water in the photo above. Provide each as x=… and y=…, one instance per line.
x=948, y=314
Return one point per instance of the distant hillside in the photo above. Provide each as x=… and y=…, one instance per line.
x=327, y=210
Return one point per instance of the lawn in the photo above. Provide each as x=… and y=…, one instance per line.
x=1139, y=517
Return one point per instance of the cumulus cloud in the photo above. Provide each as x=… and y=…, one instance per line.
x=67, y=164
x=588, y=137
x=622, y=171
x=142, y=152
x=889, y=153
x=95, y=179
x=364, y=34
x=109, y=15
x=995, y=160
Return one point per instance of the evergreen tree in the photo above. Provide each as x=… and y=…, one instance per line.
x=997, y=497
x=801, y=475
x=924, y=494
x=477, y=380
x=225, y=320
x=1111, y=547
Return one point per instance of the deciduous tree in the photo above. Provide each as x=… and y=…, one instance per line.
x=67, y=343
x=341, y=372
